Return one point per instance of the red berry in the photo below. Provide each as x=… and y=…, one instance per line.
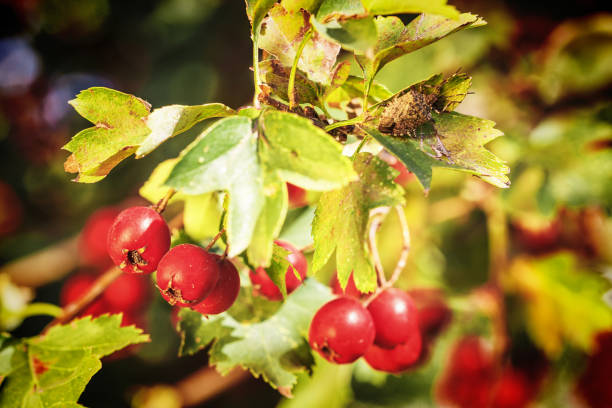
x=404, y=177
x=75, y=287
x=264, y=285
x=128, y=294
x=512, y=390
x=92, y=241
x=138, y=239
x=187, y=274
x=297, y=196
x=434, y=314
x=350, y=290
x=395, y=317
x=399, y=358
x=341, y=331
x=594, y=385
x=225, y=292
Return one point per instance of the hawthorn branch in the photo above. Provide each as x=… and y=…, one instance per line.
x=377, y=215
x=73, y=309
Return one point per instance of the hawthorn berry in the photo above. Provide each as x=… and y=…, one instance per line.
x=594, y=383
x=342, y=330
x=395, y=317
x=225, y=292
x=350, y=289
x=92, y=241
x=138, y=239
x=399, y=358
x=297, y=196
x=187, y=274
x=263, y=284
x=434, y=314
x=75, y=287
x=129, y=293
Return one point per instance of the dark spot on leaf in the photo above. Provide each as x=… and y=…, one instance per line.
x=40, y=367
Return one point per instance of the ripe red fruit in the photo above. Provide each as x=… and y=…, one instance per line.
x=341, y=331
x=594, y=385
x=469, y=377
x=434, y=313
x=75, y=287
x=187, y=274
x=92, y=241
x=263, y=284
x=395, y=317
x=138, y=239
x=512, y=390
x=350, y=290
x=399, y=358
x=129, y=293
x=225, y=292
x=404, y=177
x=297, y=196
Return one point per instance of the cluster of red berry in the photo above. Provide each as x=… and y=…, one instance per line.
x=187, y=275
x=393, y=332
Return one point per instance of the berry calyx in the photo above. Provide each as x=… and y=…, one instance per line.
x=128, y=293
x=138, y=239
x=225, y=292
x=399, y=358
x=395, y=317
x=341, y=331
x=187, y=274
x=350, y=290
x=92, y=241
x=263, y=284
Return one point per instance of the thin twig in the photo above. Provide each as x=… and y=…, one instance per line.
x=74, y=308
x=401, y=263
x=163, y=203
x=378, y=215
x=214, y=240
x=296, y=59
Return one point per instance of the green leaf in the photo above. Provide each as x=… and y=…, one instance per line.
x=154, y=189
x=275, y=348
x=119, y=129
x=169, y=121
x=201, y=216
x=352, y=92
x=256, y=11
x=395, y=39
x=563, y=302
x=225, y=158
x=302, y=153
x=270, y=220
x=339, y=76
x=295, y=5
x=440, y=7
x=53, y=369
x=276, y=76
x=281, y=35
x=342, y=216
x=464, y=138
x=358, y=35
x=408, y=152
x=279, y=267
x=297, y=230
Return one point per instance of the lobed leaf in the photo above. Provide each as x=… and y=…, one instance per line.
x=303, y=154
x=53, y=369
x=342, y=216
x=225, y=158
x=281, y=35
x=274, y=348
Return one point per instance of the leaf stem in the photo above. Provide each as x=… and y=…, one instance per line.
x=214, y=240
x=163, y=203
x=348, y=122
x=377, y=215
x=296, y=59
x=256, y=82
x=363, y=142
